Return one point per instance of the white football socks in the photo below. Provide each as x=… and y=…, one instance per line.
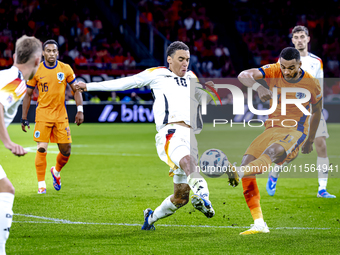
x=322, y=166
x=259, y=222
x=56, y=173
x=6, y=214
x=164, y=210
x=198, y=184
x=42, y=184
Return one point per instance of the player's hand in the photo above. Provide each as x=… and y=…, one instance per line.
x=24, y=123
x=264, y=93
x=16, y=149
x=307, y=147
x=79, y=118
x=81, y=86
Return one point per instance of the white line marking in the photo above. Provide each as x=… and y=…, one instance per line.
x=61, y=221
x=53, y=149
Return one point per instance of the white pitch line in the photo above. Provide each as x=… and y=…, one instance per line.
x=61, y=221
x=51, y=150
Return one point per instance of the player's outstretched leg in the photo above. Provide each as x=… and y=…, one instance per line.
x=198, y=185
x=166, y=209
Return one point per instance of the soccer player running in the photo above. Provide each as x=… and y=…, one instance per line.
x=284, y=134
x=51, y=117
x=27, y=57
x=313, y=65
x=177, y=117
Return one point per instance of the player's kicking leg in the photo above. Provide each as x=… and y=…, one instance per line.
x=200, y=198
x=62, y=158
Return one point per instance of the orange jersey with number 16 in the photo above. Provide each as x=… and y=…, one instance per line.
x=51, y=83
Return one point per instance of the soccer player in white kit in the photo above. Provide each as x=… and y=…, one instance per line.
x=177, y=96
x=27, y=57
x=313, y=65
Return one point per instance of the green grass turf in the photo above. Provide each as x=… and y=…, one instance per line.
x=114, y=173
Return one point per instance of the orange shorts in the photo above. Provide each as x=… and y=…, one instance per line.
x=57, y=132
x=290, y=139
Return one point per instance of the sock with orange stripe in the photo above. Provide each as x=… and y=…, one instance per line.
x=61, y=162
x=40, y=167
x=252, y=196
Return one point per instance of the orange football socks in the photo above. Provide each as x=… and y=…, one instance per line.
x=61, y=161
x=252, y=196
x=40, y=165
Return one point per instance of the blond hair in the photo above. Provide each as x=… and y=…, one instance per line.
x=26, y=47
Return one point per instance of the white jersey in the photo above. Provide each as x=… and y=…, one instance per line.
x=12, y=90
x=176, y=98
x=313, y=65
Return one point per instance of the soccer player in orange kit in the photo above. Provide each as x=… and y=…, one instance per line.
x=284, y=134
x=51, y=117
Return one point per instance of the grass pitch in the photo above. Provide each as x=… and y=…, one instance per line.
x=114, y=173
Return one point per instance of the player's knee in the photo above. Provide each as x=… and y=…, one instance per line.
x=41, y=149
x=187, y=163
x=276, y=153
x=65, y=150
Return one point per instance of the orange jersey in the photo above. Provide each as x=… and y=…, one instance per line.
x=294, y=116
x=52, y=82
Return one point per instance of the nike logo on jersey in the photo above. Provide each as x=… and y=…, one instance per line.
x=42, y=77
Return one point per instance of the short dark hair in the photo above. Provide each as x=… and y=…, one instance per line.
x=290, y=53
x=173, y=47
x=297, y=29
x=51, y=41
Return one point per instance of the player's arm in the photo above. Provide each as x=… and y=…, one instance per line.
x=121, y=84
x=248, y=78
x=4, y=137
x=79, y=102
x=314, y=123
x=25, y=107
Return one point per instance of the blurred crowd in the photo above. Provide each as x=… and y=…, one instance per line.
x=266, y=28
x=188, y=21
x=84, y=41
